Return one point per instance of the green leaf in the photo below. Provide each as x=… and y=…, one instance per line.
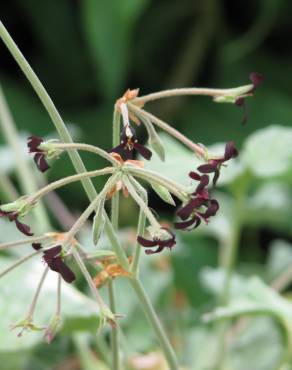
x=163, y=193
x=17, y=289
x=268, y=152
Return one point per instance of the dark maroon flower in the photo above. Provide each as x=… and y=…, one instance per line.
x=33, y=143
x=214, y=164
x=158, y=241
x=200, y=206
x=13, y=216
x=128, y=143
x=54, y=260
x=256, y=79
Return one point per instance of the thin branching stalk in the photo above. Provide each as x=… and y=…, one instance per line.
x=7, y=187
x=19, y=262
x=184, y=91
x=150, y=176
x=27, y=241
x=32, y=307
x=169, y=129
x=68, y=180
x=87, y=148
x=141, y=226
x=142, y=205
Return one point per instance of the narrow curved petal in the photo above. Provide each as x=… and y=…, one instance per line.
x=145, y=152
x=66, y=273
x=230, y=151
x=25, y=229
x=146, y=242
x=207, y=168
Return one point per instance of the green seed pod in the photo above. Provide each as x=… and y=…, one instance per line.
x=154, y=140
x=163, y=193
x=98, y=222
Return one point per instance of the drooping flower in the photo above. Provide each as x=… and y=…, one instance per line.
x=13, y=216
x=128, y=143
x=165, y=238
x=200, y=206
x=214, y=164
x=54, y=259
x=33, y=143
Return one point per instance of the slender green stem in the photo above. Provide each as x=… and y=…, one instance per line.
x=177, y=189
x=91, y=208
x=154, y=321
x=170, y=130
x=114, y=331
x=142, y=205
x=59, y=296
x=19, y=262
x=115, y=223
x=140, y=228
x=25, y=175
x=16, y=243
x=37, y=294
x=184, y=91
x=88, y=278
x=68, y=180
x=87, y=148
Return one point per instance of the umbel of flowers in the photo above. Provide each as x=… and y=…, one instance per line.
x=125, y=173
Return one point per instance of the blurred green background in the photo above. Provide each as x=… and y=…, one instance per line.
x=88, y=52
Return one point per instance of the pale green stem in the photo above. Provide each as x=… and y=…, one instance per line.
x=25, y=175
x=140, y=228
x=184, y=91
x=177, y=189
x=142, y=205
x=68, y=180
x=59, y=296
x=169, y=129
x=87, y=148
x=19, y=262
x=91, y=208
x=115, y=223
x=154, y=321
x=88, y=278
x=24, y=241
x=37, y=294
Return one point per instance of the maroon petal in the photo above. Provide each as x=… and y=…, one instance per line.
x=167, y=243
x=118, y=149
x=146, y=242
x=36, y=246
x=52, y=252
x=203, y=183
x=33, y=142
x=158, y=250
x=145, y=152
x=212, y=209
x=186, y=211
x=41, y=162
x=66, y=273
x=25, y=229
x=184, y=224
x=207, y=168
x=256, y=79
x=195, y=176
x=230, y=151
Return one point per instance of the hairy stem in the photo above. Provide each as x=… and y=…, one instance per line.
x=24, y=241
x=68, y=180
x=155, y=323
x=87, y=148
x=184, y=91
x=37, y=294
x=19, y=262
x=115, y=223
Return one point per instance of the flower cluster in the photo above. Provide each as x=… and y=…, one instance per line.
x=55, y=260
